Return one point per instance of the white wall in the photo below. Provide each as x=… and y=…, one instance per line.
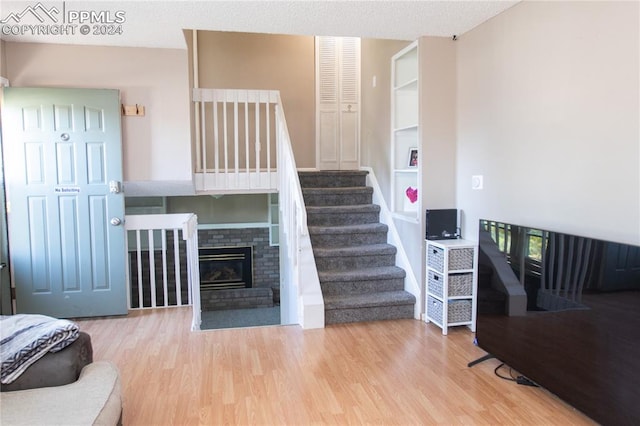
x=375, y=126
x=156, y=146
x=438, y=122
x=548, y=112
x=3, y=61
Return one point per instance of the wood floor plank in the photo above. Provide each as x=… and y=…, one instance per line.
x=387, y=372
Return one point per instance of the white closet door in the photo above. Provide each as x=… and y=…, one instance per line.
x=338, y=103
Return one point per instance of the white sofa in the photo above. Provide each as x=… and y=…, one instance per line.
x=94, y=399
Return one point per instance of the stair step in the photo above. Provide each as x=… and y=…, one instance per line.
x=343, y=196
x=357, y=257
x=385, y=298
x=342, y=215
x=348, y=235
x=333, y=179
x=369, y=307
x=370, y=280
x=382, y=272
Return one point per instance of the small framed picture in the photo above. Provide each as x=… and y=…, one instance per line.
x=413, y=157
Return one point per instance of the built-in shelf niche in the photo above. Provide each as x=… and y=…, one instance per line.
x=405, y=132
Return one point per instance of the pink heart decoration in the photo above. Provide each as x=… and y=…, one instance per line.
x=412, y=194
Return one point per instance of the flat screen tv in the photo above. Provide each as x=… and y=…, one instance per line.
x=564, y=311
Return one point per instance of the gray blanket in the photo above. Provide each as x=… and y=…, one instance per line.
x=24, y=339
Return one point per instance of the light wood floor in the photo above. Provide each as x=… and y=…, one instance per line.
x=390, y=372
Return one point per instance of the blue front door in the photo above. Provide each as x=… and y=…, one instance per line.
x=62, y=156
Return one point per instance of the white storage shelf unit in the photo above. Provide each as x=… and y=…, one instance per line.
x=405, y=135
x=451, y=290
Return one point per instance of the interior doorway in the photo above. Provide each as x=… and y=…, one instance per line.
x=338, y=103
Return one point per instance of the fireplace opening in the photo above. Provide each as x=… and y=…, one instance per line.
x=225, y=268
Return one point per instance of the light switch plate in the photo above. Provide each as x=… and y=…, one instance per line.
x=477, y=182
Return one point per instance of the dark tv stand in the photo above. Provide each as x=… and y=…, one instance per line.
x=479, y=360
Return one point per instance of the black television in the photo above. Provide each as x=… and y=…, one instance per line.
x=564, y=311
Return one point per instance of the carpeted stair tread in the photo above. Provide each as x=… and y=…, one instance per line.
x=357, y=251
x=339, y=215
x=347, y=209
x=332, y=178
x=386, y=298
x=376, y=273
x=359, y=234
x=349, y=229
x=334, y=173
x=339, y=196
x=338, y=190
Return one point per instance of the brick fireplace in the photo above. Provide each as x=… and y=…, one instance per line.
x=264, y=274
x=231, y=291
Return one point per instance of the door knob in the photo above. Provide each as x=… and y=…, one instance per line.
x=115, y=221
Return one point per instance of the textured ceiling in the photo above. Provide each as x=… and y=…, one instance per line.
x=160, y=23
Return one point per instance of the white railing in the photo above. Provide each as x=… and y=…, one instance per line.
x=237, y=143
x=244, y=147
x=300, y=283
x=162, y=263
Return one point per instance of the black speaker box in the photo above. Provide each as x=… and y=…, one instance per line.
x=442, y=224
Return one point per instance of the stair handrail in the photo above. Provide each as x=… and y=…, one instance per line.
x=300, y=281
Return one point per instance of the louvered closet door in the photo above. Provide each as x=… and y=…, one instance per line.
x=338, y=103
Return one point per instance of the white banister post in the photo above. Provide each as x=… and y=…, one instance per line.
x=139, y=265
x=236, y=140
x=176, y=267
x=165, y=284
x=246, y=133
x=152, y=267
x=127, y=269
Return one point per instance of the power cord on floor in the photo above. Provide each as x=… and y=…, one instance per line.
x=521, y=380
x=511, y=379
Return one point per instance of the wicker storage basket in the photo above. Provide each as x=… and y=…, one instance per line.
x=435, y=258
x=459, y=310
x=434, y=282
x=434, y=309
x=461, y=258
x=461, y=284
